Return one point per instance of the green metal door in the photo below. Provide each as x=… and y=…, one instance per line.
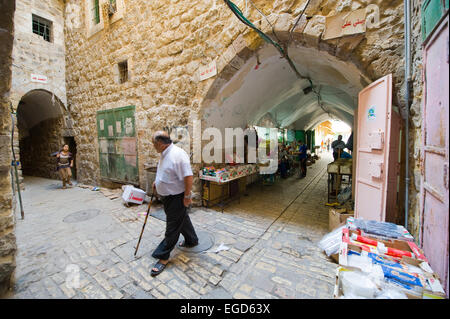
x=432, y=12
x=117, y=145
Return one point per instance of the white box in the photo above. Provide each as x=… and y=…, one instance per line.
x=133, y=195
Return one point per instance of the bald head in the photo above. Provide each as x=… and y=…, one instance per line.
x=161, y=136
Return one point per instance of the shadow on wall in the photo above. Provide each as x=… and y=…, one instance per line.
x=35, y=149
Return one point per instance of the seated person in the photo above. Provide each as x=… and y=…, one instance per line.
x=336, y=145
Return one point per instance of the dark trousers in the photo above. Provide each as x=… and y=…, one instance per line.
x=303, y=166
x=177, y=222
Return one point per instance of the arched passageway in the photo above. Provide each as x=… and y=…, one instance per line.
x=262, y=90
x=265, y=86
x=41, y=123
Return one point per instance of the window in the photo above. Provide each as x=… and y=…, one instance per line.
x=96, y=11
x=42, y=27
x=123, y=71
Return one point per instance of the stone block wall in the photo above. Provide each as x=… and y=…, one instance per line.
x=34, y=55
x=7, y=237
x=415, y=123
x=42, y=140
x=166, y=42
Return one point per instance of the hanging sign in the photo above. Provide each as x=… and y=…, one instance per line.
x=39, y=78
x=343, y=24
x=205, y=72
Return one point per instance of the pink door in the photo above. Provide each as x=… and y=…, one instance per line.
x=377, y=147
x=434, y=155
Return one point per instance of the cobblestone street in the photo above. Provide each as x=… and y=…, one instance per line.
x=272, y=234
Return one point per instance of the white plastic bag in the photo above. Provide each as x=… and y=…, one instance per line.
x=358, y=284
x=390, y=293
x=331, y=242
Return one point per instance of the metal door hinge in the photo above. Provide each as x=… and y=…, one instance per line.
x=446, y=175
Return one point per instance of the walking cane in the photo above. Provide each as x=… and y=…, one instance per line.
x=145, y=222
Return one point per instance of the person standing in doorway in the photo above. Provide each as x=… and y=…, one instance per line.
x=302, y=157
x=173, y=183
x=64, y=165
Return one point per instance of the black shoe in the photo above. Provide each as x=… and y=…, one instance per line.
x=186, y=245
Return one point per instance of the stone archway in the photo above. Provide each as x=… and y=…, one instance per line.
x=375, y=53
x=356, y=59
x=42, y=122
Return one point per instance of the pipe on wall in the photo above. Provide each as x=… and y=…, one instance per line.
x=407, y=13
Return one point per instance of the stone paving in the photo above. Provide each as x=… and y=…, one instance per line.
x=271, y=234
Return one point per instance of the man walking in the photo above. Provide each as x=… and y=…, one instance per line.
x=173, y=183
x=302, y=156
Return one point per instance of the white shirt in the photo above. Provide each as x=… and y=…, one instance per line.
x=173, y=166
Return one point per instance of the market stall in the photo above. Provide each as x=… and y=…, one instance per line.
x=379, y=260
x=222, y=185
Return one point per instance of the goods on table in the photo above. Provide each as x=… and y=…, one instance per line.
x=228, y=173
x=379, y=260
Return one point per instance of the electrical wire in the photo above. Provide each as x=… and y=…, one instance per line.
x=271, y=25
x=238, y=13
x=296, y=22
x=283, y=49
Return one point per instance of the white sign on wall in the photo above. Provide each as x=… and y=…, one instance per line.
x=205, y=72
x=39, y=78
x=350, y=23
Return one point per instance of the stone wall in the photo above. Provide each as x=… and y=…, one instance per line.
x=7, y=237
x=415, y=123
x=32, y=55
x=166, y=44
x=43, y=139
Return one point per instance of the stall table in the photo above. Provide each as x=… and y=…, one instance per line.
x=225, y=187
x=336, y=171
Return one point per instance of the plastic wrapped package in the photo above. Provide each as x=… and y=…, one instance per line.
x=381, y=229
x=331, y=242
x=358, y=261
x=358, y=284
x=390, y=293
x=344, y=195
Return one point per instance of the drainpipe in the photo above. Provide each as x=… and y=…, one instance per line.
x=14, y=163
x=407, y=11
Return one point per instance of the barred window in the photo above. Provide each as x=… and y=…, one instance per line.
x=123, y=71
x=42, y=27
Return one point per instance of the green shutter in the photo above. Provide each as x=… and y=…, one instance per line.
x=96, y=11
x=118, y=145
x=300, y=136
x=432, y=12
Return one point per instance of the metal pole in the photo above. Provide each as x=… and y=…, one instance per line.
x=407, y=11
x=15, y=163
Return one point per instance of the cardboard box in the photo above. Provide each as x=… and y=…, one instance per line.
x=338, y=217
x=407, y=246
x=133, y=195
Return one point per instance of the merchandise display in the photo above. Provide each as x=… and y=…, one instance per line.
x=379, y=260
x=228, y=173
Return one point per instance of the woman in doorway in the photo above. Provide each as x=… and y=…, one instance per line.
x=65, y=163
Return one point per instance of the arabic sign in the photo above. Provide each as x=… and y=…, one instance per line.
x=205, y=72
x=38, y=78
x=343, y=24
